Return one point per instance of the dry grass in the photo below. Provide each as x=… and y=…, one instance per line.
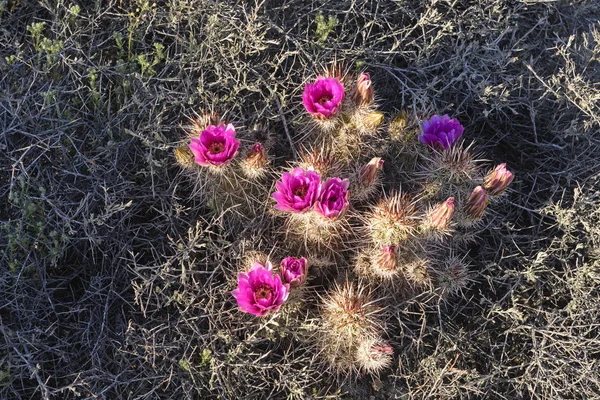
x=113, y=278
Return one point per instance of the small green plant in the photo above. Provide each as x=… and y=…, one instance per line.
x=325, y=26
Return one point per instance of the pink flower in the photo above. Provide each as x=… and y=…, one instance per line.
x=363, y=93
x=216, y=145
x=441, y=132
x=333, y=200
x=497, y=180
x=476, y=203
x=259, y=291
x=297, y=191
x=323, y=98
x=293, y=270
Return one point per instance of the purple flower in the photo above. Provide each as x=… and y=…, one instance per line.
x=297, y=191
x=216, y=145
x=333, y=200
x=259, y=291
x=441, y=131
x=293, y=270
x=323, y=98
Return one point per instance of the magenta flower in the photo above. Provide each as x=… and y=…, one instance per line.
x=259, y=291
x=333, y=200
x=297, y=191
x=323, y=98
x=441, y=132
x=293, y=270
x=216, y=145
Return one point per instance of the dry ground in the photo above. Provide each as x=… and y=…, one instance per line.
x=112, y=278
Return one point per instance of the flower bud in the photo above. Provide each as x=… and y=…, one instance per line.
x=476, y=204
x=294, y=270
x=368, y=173
x=184, y=156
x=439, y=217
x=373, y=119
x=363, y=94
x=387, y=259
x=257, y=156
x=497, y=180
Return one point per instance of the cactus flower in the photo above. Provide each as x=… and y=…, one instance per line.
x=216, y=146
x=333, y=200
x=497, y=180
x=259, y=291
x=441, y=132
x=476, y=203
x=363, y=93
x=297, y=191
x=323, y=99
x=439, y=218
x=294, y=270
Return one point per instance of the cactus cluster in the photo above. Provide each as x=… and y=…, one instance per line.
x=371, y=213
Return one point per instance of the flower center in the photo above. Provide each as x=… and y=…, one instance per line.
x=263, y=292
x=300, y=191
x=216, y=147
x=325, y=98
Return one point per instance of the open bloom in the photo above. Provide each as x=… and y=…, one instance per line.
x=216, y=145
x=293, y=270
x=363, y=94
x=297, y=191
x=259, y=291
x=441, y=131
x=439, y=217
x=323, y=98
x=476, y=203
x=333, y=200
x=497, y=180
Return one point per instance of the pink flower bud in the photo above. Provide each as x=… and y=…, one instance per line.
x=497, y=180
x=439, y=217
x=368, y=173
x=476, y=204
x=257, y=156
x=363, y=93
x=294, y=270
x=388, y=258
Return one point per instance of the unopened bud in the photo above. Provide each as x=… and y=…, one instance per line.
x=368, y=173
x=497, y=180
x=387, y=259
x=373, y=119
x=184, y=156
x=439, y=218
x=363, y=94
x=257, y=156
x=476, y=204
